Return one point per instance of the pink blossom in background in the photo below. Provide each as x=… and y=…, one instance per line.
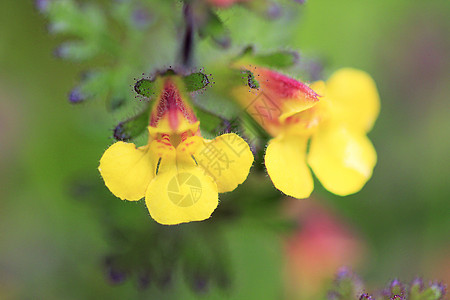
x=322, y=244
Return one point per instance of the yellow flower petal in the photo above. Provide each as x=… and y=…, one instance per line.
x=286, y=165
x=319, y=88
x=227, y=159
x=342, y=160
x=180, y=193
x=127, y=170
x=162, y=154
x=164, y=128
x=187, y=148
x=294, y=106
x=354, y=97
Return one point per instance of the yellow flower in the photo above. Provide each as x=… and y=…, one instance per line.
x=178, y=172
x=340, y=154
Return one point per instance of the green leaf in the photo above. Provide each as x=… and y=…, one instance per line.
x=96, y=83
x=278, y=59
x=281, y=59
x=346, y=285
x=214, y=28
x=195, y=81
x=431, y=293
x=76, y=51
x=133, y=127
x=209, y=122
x=115, y=102
x=69, y=18
x=145, y=87
x=93, y=84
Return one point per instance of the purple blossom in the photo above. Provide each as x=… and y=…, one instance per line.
x=397, y=288
x=41, y=5
x=418, y=282
x=440, y=288
x=200, y=284
x=144, y=279
x=113, y=273
x=343, y=273
x=76, y=96
x=274, y=11
x=366, y=296
x=141, y=18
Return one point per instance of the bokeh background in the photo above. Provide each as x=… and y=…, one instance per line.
x=52, y=243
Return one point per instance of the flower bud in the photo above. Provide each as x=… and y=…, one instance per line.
x=346, y=285
x=42, y=5
x=76, y=51
x=164, y=280
x=366, y=296
x=274, y=11
x=140, y=18
x=397, y=297
x=438, y=289
x=114, y=273
x=200, y=284
x=417, y=284
x=397, y=288
x=76, y=96
x=144, y=279
x=333, y=296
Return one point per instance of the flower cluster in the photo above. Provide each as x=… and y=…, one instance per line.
x=178, y=172
x=321, y=126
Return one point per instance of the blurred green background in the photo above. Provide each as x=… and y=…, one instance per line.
x=52, y=245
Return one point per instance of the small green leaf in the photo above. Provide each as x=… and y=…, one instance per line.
x=93, y=84
x=145, y=87
x=346, y=285
x=279, y=59
x=282, y=59
x=214, y=28
x=195, y=81
x=209, y=122
x=114, y=102
x=133, y=127
x=76, y=51
x=68, y=17
x=432, y=293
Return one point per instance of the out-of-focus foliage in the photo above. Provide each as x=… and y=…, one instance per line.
x=347, y=285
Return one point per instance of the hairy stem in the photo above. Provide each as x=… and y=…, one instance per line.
x=187, y=46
